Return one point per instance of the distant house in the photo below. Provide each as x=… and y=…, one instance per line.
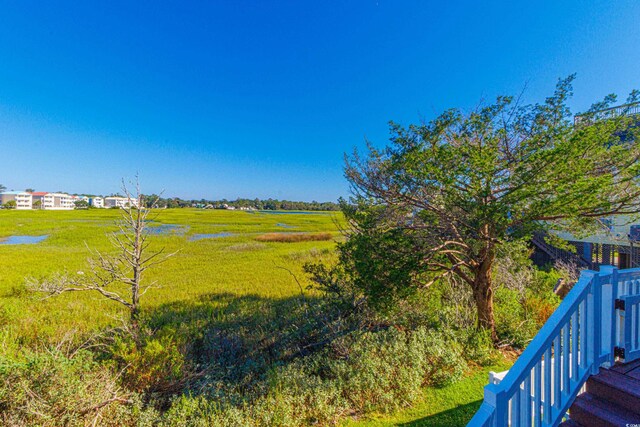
x=22, y=198
x=618, y=241
x=96, y=202
x=120, y=202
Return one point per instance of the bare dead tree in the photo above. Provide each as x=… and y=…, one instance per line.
x=126, y=266
x=569, y=274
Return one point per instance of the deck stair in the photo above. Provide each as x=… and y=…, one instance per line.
x=612, y=398
x=554, y=253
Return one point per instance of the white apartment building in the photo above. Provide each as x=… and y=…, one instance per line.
x=96, y=202
x=38, y=199
x=62, y=201
x=76, y=198
x=120, y=202
x=54, y=201
x=22, y=198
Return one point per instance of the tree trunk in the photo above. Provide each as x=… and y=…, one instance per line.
x=483, y=292
x=134, y=324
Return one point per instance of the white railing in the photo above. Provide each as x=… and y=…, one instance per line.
x=587, y=331
x=608, y=113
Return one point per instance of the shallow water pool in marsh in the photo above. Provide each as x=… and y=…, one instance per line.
x=283, y=225
x=22, y=240
x=168, y=229
x=209, y=236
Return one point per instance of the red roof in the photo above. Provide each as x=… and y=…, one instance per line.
x=39, y=193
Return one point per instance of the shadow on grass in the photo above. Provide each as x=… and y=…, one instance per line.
x=237, y=340
x=458, y=416
x=230, y=349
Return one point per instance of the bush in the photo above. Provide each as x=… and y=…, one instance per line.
x=157, y=365
x=385, y=370
x=513, y=324
x=50, y=388
x=382, y=371
x=479, y=348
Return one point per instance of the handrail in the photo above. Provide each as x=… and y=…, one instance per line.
x=619, y=110
x=581, y=335
x=551, y=328
x=557, y=253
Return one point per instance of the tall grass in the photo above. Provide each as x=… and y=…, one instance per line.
x=294, y=237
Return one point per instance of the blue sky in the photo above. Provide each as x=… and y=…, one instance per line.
x=226, y=99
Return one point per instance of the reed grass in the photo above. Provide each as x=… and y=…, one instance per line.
x=294, y=237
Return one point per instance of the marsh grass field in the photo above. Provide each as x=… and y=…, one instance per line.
x=233, y=304
x=217, y=254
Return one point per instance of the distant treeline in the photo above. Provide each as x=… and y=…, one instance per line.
x=269, y=204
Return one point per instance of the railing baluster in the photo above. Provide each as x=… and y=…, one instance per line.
x=547, y=386
x=557, y=379
x=515, y=408
x=525, y=405
x=597, y=323
x=537, y=394
x=574, y=346
x=565, y=361
x=636, y=327
x=631, y=323
x=583, y=335
x=614, y=313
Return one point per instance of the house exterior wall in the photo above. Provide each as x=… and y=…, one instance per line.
x=616, y=243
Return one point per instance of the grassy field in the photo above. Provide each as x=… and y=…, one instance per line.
x=226, y=260
x=233, y=269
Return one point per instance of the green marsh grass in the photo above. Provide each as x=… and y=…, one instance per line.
x=234, y=297
x=230, y=265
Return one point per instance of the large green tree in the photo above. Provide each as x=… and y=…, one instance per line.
x=443, y=196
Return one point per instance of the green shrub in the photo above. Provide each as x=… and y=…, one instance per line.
x=298, y=396
x=49, y=389
x=188, y=411
x=479, y=348
x=385, y=370
x=156, y=365
x=513, y=323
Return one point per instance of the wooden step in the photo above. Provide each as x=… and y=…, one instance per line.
x=569, y=423
x=616, y=388
x=590, y=411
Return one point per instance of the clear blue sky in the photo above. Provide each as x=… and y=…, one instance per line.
x=262, y=98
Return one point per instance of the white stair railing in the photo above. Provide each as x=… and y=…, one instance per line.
x=587, y=331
